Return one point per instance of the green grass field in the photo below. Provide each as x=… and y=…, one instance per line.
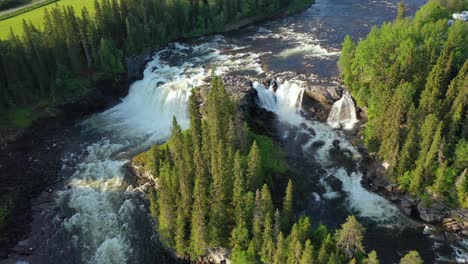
x=37, y=16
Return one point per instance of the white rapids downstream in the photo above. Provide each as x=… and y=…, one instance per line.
x=102, y=219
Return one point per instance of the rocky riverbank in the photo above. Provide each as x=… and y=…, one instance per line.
x=31, y=159
x=431, y=211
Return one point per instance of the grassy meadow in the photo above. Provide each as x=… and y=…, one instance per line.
x=37, y=16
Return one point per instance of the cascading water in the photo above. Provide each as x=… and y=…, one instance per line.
x=343, y=113
x=105, y=217
x=286, y=103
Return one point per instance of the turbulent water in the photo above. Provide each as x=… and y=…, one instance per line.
x=343, y=113
x=102, y=218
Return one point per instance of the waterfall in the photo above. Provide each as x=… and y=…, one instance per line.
x=285, y=101
x=106, y=220
x=343, y=113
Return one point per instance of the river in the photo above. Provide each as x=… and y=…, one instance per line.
x=101, y=218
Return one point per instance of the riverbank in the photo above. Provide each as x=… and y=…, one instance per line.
x=31, y=162
x=31, y=158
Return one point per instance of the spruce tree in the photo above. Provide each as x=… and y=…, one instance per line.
x=401, y=10
x=287, y=213
x=307, y=256
x=349, y=237
x=280, y=253
x=239, y=184
x=254, y=171
x=411, y=257
x=371, y=258
x=268, y=245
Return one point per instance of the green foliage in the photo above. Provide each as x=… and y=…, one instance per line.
x=411, y=257
x=401, y=10
x=202, y=200
x=6, y=204
x=110, y=58
x=461, y=154
x=371, y=258
x=349, y=237
x=411, y=75
x=65, y=48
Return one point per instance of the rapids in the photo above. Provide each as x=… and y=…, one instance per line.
x=102, y=218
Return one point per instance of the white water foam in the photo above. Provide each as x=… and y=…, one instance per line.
x=368, y=204
x=164, y=91
x=303, y=44
x=101, y=203
x=286, y=102
x=343, y=113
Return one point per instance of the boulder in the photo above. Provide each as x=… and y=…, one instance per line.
x=431, y=218
x=407, y=210
x=219, y=255
x=389, y=188
x=325, y=94
x=335, y=184
x=380, y=182
x=406, y=203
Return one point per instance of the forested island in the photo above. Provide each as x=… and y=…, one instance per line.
x=213, y=194
x=222, y=152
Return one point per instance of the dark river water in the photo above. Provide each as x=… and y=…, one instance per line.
x=102, y=218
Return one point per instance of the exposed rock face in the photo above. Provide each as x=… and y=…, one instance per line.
x=325, y=93
x=219, y=256
x=433, y=213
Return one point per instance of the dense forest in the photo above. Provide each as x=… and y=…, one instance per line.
x=76, y=49
x=411, y=75
x=214, y=186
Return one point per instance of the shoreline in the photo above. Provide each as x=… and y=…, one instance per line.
x=50, y=136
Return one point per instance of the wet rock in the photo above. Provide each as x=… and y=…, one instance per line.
x=431, y=218
x=407, y=211
x=318, y=144
x=405, y=203
x=302, y=138
x=389, y=188
x=219, y=255
x=380, y=182
x=335, y=184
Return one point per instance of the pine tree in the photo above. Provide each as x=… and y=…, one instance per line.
x=277, y=226
x=254, y=171
x=218, y=221
x=427, y=132
x=239, y=184
x=349, y=237
x=257, y=223
x=110, y=58
x=323, y=257
x=411, y=257
x=401, y=10
x=268, y=246
x=308, y=253
x=371, y=258
x=280, y=250
x=266, y=202
x=180, y=234
x=287, y=213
